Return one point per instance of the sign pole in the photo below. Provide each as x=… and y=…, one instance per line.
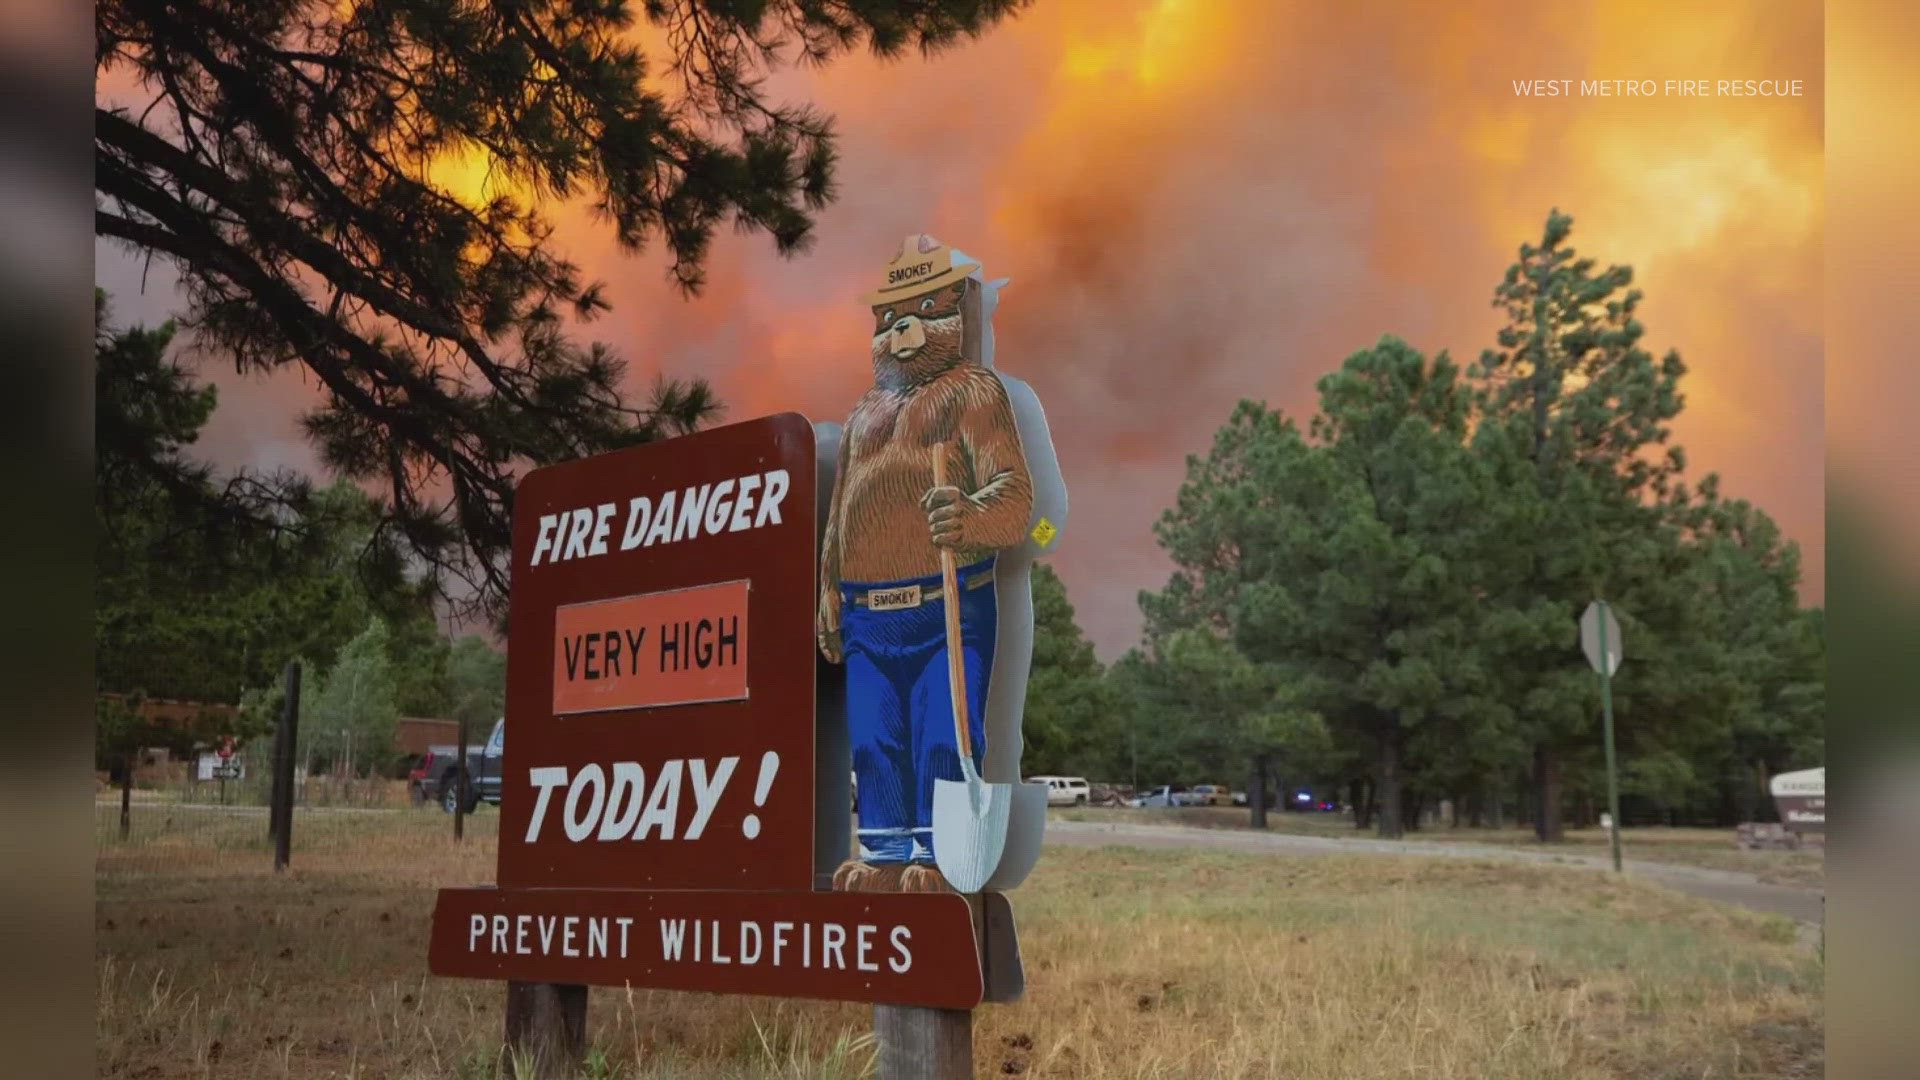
x=1606, y=708
x=546, y=1026
x=918, y=1043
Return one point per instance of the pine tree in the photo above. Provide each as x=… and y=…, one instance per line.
x=1343, y=559
x=193, y=600
x=1574, y=428
x=288, y=156
x=1070, y=723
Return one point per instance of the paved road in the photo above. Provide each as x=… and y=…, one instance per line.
x=1799, y=903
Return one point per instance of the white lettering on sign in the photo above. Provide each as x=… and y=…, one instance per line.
x=626, y=806
x=823, y=945
x=544, y=935
x=746, y=502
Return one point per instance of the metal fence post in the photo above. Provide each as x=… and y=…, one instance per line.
x=460, y=782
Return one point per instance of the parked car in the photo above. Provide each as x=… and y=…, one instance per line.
x=1064, y=790
x=441, y=772
x=1164, y=795
x=1210, y=795
x=418, y=773
x=424, y=778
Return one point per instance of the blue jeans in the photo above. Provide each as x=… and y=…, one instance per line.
x=900, y=707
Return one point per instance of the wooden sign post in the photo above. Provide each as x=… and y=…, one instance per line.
x=659, y=797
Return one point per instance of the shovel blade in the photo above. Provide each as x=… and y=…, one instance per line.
x=1026, y=826
x=969, y=829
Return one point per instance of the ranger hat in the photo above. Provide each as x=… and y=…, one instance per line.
x=922, y=265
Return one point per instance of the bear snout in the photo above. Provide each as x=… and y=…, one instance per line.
x=907, y=336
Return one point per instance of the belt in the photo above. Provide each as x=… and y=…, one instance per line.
x=912, y=596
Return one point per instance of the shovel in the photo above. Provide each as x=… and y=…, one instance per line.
x=969, y=814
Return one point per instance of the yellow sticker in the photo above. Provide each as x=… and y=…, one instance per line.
x=1044, y=532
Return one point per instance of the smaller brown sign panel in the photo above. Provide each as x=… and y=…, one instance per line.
x=895, y=948
x=1803, y=813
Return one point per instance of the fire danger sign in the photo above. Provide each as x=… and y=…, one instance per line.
x=660, y=678
x=658, y=789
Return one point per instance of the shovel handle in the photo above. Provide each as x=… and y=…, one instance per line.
x=950, y=600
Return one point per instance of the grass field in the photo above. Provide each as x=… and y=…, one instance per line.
x=1712, y=849
x=1140, y=964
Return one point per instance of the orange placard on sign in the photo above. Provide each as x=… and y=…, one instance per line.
x=665, y=648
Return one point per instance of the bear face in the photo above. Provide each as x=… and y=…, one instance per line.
x=916, y=338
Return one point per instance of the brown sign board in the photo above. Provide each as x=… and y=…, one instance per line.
x=660, y=670
x=659, y=789
x=895, y=948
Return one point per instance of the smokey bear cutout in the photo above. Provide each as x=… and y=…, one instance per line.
x=943, y=454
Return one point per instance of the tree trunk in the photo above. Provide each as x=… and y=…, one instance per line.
x=1547, y=826
x=1749, y=792
x=1257, y=793
x=1392, y=821
x=126, y=796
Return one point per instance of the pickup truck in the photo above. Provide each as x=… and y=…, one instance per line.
x=439, y=777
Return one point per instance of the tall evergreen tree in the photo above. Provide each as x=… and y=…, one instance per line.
x=1764, y=655
x=1343, y=558
x=290, y=158
x=196, y=602
x=192, y=601
x=1071, y=725
x=1574, y=428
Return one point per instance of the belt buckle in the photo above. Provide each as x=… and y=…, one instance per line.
x=906, y=596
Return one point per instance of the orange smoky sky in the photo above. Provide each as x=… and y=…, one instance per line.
x=1200, y=201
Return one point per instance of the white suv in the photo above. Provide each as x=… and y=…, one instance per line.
x=1063, y=790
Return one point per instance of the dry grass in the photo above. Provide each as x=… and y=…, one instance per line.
x=1140, y=964
x=1711, y=849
